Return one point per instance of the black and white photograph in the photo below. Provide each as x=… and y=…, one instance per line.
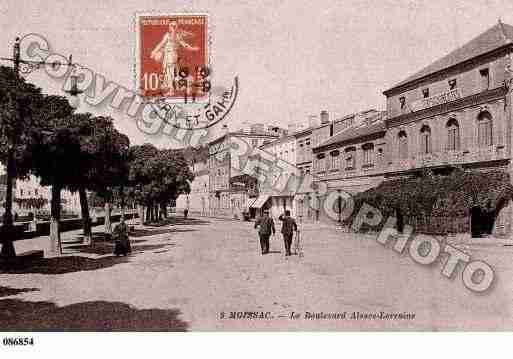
x=255, y=166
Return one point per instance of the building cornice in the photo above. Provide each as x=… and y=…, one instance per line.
x=472, y=100
x=351, y=141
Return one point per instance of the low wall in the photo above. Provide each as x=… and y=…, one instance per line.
x=43, y=228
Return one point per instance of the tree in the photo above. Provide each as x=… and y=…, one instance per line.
x=157, y=177
x=23, y=112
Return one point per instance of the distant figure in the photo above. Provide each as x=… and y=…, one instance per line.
x=266, y=225
x=287, y=229
x=121, y=239
x=185, y=213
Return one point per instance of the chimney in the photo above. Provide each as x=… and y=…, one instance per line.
x=325, y=117
x=312, y=121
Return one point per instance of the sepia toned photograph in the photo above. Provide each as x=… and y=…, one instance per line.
x=277, y=166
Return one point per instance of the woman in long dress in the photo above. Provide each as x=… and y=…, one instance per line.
x=166, y=52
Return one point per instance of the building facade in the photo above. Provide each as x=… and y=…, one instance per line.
x=453, y=115
x=278, y=200
x=226, y=197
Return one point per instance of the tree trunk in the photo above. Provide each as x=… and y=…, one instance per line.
x=157, y=212
x=7, y=229
x=140, y=212
x=108, y=225
x=55, y=235
x=86, y=219
x=148, y=213
x=163, y=209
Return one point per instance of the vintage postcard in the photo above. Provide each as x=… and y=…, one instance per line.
x=202, y=166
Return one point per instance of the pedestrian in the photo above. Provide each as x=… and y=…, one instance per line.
x=121, y=239
x=266, y=225
x=287, y=229
x=185, y=213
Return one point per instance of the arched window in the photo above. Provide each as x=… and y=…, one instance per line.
x=368, y=154
x=350, y=158
x=403, y=145
x=425, y=140
x=453, y=135
x=484, y=129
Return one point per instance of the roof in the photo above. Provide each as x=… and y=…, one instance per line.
x=490, y=40
x=352, y=133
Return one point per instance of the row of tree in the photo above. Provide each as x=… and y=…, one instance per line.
x=83, y=153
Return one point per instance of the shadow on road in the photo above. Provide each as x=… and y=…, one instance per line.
x=61, y=265
x=18, y=315
x=7, y=291
x=178, y=221
x=144, y=232
x=107, y=247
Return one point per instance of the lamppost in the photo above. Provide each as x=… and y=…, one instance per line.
x=8, y=232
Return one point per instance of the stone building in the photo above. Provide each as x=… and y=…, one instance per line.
x=197, y=201
x=456, y=112
x=453, y=115
x=226, y=197
x=352, y=159
x=278, y=200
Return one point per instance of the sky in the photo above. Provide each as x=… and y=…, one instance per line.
x=293, y=58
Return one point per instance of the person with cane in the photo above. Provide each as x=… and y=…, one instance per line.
x=288, y=228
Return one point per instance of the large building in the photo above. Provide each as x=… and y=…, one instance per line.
x=230, y=191
x=277, y=200
x=197, y=201
x=453, y=115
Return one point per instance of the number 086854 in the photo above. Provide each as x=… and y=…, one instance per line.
x=14, y=341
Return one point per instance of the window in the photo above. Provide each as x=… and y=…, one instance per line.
x=403, y=145
x=485, y=79
x=425, y=93
x=368, y=154
x=425, y=140
x=402, y=101
x=350, y=158
x=484, y=129
x=452, y=84
x=453, y=135
x=335, y=160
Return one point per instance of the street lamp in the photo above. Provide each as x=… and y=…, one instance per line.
x=7, y=230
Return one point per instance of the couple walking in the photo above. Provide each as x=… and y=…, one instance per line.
x=266, y=225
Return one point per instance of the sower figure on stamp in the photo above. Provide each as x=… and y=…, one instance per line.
x=266, y=225
x=287, y=229
x=166, y=52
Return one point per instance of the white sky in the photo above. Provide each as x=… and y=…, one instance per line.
x=293, y=58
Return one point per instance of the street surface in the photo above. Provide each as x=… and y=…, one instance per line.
x=190, y=274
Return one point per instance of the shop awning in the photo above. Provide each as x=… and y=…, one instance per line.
x=260, y=201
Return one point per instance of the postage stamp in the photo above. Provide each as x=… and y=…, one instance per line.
x=173, y=70
x=172, y=57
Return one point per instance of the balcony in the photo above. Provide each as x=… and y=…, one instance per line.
x=459, y=157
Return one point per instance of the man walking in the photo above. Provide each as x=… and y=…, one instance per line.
x=287, y=229
x=266, y=224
